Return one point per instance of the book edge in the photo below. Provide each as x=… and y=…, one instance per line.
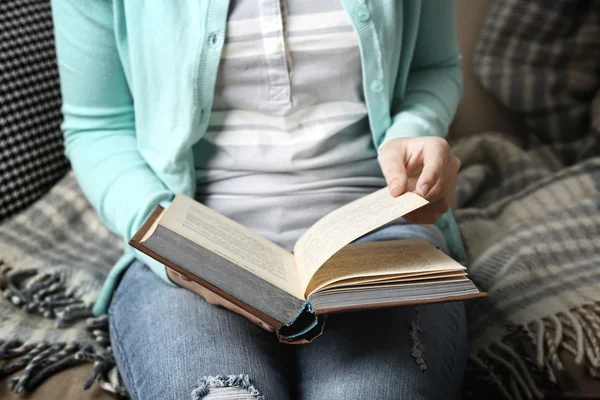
x=136, y=243
x=333, y=310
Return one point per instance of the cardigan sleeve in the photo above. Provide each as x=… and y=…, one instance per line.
x=99, y=121
x=426, y=106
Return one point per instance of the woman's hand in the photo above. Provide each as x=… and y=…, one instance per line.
x=424, y=165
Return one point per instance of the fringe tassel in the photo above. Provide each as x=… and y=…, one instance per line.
x=4, y=270
x=24, y=360
x=40, y=361
x=46, y=294
x=515, y=375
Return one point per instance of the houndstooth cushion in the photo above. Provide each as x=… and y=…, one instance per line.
x=31, y=148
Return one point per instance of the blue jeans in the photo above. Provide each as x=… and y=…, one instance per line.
x=171, y=344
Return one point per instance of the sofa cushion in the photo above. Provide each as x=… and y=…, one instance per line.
x=31, y=149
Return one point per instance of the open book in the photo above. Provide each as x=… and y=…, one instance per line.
x=326, y=273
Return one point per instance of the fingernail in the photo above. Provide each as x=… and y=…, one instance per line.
x=424, y=190
x=394, y=186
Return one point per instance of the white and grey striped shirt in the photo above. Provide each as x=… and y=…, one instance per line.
x=288, y=139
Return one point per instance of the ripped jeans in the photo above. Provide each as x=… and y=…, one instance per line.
x=171, y=344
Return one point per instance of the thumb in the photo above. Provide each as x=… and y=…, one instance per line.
x=394, y=170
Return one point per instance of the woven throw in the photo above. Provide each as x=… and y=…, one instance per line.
x=55, y=256
x=529, y=209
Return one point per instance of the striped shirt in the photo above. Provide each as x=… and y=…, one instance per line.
x=288, y=139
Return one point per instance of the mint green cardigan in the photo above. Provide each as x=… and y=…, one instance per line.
x=137, y=82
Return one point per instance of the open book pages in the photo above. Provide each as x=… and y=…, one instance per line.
x=324, y=258
x=328, y=273
x=354, y=298
x=380, y=273
x=385, y=262
x=233, y=242
x=290, y=272
x=346, y=224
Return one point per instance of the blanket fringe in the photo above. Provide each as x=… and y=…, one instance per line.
x=527, y=359
x=45, y=294
x=37, y=362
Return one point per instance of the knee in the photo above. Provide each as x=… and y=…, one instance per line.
x=234, y=387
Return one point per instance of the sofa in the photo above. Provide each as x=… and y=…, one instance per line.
x=28, y=168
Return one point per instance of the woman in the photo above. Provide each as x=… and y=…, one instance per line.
x=272, y=112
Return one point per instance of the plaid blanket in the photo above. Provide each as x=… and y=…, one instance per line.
x=529, y=207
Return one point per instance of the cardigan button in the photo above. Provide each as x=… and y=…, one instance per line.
x=363, y=14
x=213, y=38
x=377, y=86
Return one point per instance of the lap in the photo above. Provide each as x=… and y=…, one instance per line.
x=165, y=339
x=395, y=353
x=404, y=352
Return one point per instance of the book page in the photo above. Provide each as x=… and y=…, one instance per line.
x=382, y=285
x=233, y=242
x=393, y=258
x=370, y=280
x=346, y=224
x=154, y=225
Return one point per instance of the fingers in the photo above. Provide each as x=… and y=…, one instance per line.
x=435, y=158
x=392, y=159
x=445, y=187
x=430, y=213
x=446, y=184
x=439, y=207
x=452, y=181
x=423, y=219
x=220, y=301
x=215, y=299
x=425, y=166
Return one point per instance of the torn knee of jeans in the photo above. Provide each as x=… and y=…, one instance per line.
x=224, y=387
x=417, y=348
